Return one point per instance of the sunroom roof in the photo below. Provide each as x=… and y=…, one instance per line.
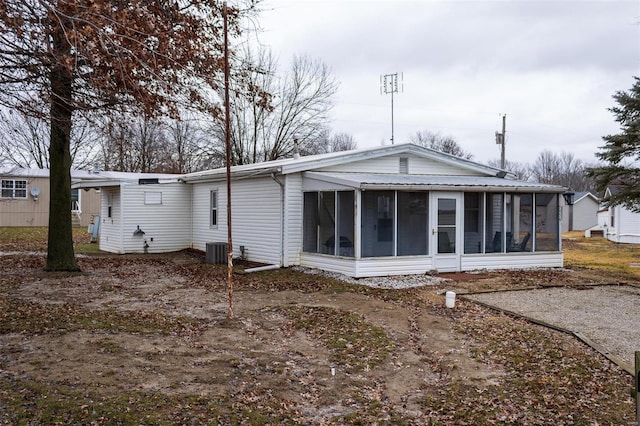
x=373, y=181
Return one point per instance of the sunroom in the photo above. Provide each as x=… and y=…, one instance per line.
x=375, y=224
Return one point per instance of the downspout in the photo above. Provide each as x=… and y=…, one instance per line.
x=273, y=176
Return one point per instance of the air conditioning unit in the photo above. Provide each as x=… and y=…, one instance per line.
x=217, y=253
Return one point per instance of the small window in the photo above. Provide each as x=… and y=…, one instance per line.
x=14, y=188
x=404, y=166
x=109, y=205
x=214, y=208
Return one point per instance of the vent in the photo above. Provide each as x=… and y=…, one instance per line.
x=404, y=166
x=216, y=253
x=148, y=181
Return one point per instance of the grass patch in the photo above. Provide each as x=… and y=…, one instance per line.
x=18, y=316
x=34, y=238
x=601, y=254
x=30, y=402
x=354, y=343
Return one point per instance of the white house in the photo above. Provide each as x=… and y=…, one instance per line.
x=617, y=223
x=399, y=209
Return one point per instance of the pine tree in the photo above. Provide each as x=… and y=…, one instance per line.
x=621, y=152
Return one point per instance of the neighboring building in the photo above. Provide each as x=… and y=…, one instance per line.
x=399, y=209
x=25, y=194
x=583, y=214
x=617, y=223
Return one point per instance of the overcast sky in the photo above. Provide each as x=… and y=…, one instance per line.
x=550, y=66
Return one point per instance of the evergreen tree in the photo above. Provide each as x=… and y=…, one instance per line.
x=621, y=152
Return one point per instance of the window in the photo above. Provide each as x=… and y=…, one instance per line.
x=109, y=205
x=547, y=227
x=494, y=241
x=519, y=222
x=329, y=222
x=473, y=223
x=14, y=188
x=75, y=200
x=310, y=223
x=413, y=220
x=378, y=211
x=214, y=208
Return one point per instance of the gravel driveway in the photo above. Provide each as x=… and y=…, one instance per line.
x=609, y=315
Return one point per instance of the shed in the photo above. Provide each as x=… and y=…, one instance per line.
x=583, y=214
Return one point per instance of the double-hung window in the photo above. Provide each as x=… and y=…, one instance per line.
x=12, y=188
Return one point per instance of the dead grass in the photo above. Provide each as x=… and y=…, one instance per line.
x=25, y=238
x=621, y=261
x=129, y=321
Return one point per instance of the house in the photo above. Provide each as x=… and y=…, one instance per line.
x=24, y=198
x=617, y=223
x=399, y=209
x=582, y=214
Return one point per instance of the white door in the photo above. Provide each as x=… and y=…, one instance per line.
x=445, y=232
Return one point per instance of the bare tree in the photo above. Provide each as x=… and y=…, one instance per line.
x=24, y=141
x=438, y=142
x=90, y=55
x=562, y=169
x=327, y=142
x=265, y=128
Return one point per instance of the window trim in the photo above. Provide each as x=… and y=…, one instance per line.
x=14, y=188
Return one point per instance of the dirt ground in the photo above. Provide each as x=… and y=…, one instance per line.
x=261, y=348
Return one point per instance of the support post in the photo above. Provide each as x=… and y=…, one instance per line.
x=637, y=380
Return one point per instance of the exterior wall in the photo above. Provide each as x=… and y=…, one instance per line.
x=110, y=227
x=166, y=226
x=585, y=214
x=256, y=217
x=391, y=164
x=626, y=228
x=26, y=211
x=293, y=219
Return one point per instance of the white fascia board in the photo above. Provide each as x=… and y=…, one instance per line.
x=466, y=188
x=235, y=175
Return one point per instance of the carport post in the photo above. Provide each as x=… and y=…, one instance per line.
x=637, y=377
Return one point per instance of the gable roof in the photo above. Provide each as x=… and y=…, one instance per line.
x=579, y=196
x=311, y=162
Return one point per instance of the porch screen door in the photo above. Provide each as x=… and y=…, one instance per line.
x=445, y=232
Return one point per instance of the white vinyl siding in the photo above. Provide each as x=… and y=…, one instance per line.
x=255, y=217
x=166, y=226
x=419, y=166
x=293, y=219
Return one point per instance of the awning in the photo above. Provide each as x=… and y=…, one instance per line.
x=373, y=181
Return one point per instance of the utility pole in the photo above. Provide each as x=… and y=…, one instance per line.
x=389, y=85
x=227, y=137
x=501, y=140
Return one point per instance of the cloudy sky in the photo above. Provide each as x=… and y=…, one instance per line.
x=550, y=66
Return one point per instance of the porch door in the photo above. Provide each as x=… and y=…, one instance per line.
x=445, y=231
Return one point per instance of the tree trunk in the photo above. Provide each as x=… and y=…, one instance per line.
x=60, y=256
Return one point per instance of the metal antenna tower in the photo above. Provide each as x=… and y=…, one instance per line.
x=389, y=85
